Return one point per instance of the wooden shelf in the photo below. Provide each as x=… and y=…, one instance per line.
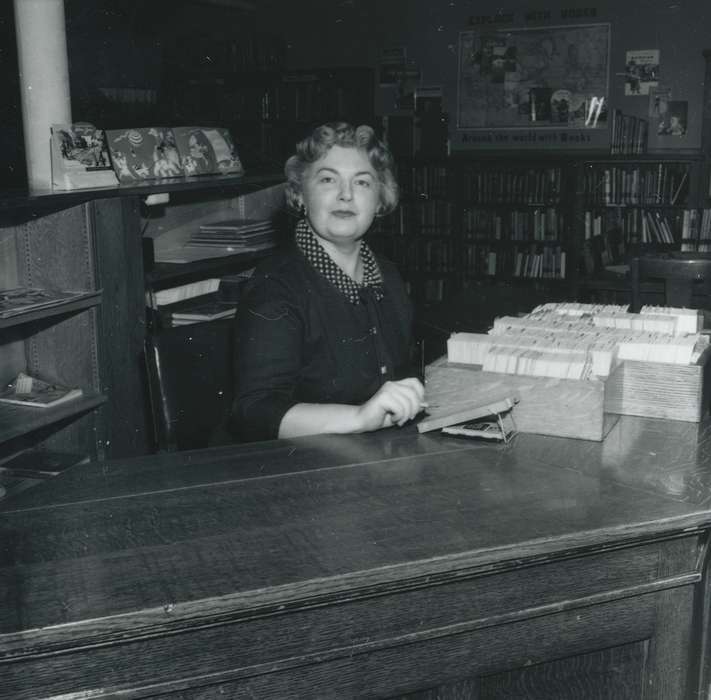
x=16, y=421
x=512, y=280
x=636, y=205
x=691, y=155
x=582, y=155
x=508, y=242
x=85, y=301
x=52, y=199
x=170, y=274
x=508, y=204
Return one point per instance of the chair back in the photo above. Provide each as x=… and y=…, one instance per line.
x=189, y=373
x=684, y=278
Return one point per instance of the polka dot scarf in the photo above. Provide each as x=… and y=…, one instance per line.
x=319, y=258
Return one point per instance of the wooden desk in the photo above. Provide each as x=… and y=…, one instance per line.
x=389, y=565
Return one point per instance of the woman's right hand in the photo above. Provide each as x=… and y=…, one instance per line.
x=394, y=403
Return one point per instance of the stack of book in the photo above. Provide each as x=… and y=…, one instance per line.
x=221, y=239
x=234, y=236
x=208, y=307
x=207, y=300
x=226, y=238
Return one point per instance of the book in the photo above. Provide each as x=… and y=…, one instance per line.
x=172, y=295
x=676, y=197
x=80, y=157
x=143, y=154
x=25, y=390
x=207, y=150
x=236, y=226
x=207, y=308
x=21, y=300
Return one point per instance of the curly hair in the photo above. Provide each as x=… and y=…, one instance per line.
x=321, y=140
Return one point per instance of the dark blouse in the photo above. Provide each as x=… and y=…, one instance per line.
x=300, y=339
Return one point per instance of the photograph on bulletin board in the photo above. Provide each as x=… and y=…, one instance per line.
x=545, y=77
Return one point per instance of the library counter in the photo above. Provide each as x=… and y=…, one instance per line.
x=386, y=565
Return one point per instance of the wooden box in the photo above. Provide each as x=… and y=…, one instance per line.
x=546, y=406
x=660, y=390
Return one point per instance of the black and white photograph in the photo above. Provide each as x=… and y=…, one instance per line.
x=355, y=350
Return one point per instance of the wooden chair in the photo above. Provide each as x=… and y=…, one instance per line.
x=189, y=373
x=687, y=279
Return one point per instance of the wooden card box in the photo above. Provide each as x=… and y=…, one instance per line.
x=557, y=407
x=660, y=390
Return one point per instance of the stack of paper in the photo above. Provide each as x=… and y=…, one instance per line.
x=235, y=236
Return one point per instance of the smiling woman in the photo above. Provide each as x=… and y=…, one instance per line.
x=323, y=343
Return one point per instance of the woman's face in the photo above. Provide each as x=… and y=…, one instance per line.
x=341, y=193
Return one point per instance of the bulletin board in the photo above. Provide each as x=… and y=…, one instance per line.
x=535, y=79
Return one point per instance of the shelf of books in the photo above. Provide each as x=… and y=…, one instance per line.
x=463, y=221
x=207, y=299
x=634, y=205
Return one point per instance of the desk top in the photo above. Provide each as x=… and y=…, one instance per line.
x=168, y=539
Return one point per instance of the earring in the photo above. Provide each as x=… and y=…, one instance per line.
x=302, y=210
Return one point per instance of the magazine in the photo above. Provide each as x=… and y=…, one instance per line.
x=80, y=157
x=143, y=154
x=25, y=390
x=24, y=299
x=207, y=150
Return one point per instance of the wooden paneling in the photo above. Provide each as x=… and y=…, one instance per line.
x=616, y=673
x=119, y=262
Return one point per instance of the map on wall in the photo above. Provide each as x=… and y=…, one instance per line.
x=542, y=77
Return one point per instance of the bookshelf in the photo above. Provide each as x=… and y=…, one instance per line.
x=91, y=241
x=466, y=222
x=59, y=342
x=17, y=423
x=632, y=205
x=168, y=228
x=563, y=224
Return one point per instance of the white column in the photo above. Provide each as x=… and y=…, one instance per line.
x=44, y=81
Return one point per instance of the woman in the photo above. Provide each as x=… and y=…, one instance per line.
x=324, y=327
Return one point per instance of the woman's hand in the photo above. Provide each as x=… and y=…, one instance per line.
x=394, y=403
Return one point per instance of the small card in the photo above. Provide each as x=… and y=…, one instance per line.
x=499, y=428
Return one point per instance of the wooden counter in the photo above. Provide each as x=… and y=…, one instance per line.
x=389, y=565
